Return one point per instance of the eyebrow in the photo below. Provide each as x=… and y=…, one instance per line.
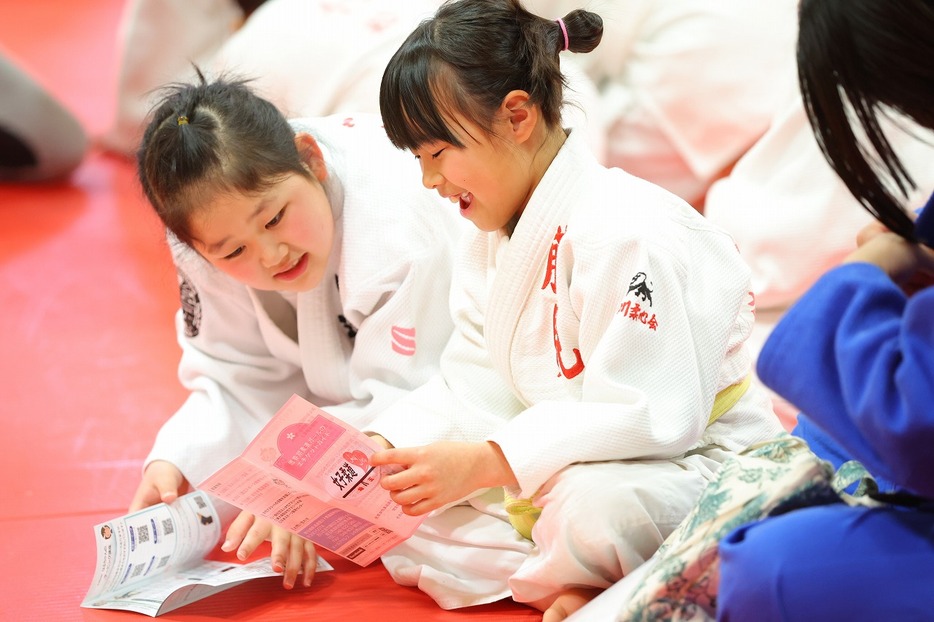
x=215, y=248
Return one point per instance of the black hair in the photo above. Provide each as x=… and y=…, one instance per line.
x=208, y=138
x=466, y=59
x=865, y=58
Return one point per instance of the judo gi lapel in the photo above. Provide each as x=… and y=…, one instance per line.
x=277, y=324
x=522, y=267
x=325, y=347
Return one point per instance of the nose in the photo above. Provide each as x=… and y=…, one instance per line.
x=431, y=179
x=272, y=252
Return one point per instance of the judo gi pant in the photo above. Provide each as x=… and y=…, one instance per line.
x=598, y=522
x=830, y=563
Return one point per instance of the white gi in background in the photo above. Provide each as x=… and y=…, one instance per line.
x=311, y=58
x=599, y=333
x=371, y=331
x=157, y=42
x=685, y=86
x=675, y=92
x=329, y=57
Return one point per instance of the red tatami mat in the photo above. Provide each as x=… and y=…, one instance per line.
x=88, y=358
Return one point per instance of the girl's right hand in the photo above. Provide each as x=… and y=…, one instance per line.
x=424, y=479
x=162, y=482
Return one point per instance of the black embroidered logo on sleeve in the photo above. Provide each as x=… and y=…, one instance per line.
x=191, y=306
x=642, y=287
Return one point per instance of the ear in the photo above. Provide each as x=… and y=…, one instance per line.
x=310, y=154
x=521, y=114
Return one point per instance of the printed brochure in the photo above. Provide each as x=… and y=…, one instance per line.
x=309, y=472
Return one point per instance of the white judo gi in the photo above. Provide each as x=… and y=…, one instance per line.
x=373, y=329
x=590, y=346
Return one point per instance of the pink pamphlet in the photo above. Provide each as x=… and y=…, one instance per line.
x=309, y=472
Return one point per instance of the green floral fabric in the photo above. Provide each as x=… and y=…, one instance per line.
x=767, y=479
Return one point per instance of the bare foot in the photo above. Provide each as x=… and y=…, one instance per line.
x=568, y=602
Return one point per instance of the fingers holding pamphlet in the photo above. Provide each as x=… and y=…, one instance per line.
x=306, y=472
x=153, y=561
x=309, y=473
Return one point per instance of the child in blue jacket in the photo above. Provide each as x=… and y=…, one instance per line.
x=856, y=354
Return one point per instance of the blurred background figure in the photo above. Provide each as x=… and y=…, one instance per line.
x=157, y=42
x=309, y=57
x=685, y=86
x=39, y=139
x=680, y=91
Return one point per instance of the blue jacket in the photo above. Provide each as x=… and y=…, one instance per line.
x=857, y=355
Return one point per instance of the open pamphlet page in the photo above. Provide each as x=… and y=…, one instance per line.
x=153, y=561
x=309, y=472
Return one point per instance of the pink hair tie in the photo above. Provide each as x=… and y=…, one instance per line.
x=564, y=31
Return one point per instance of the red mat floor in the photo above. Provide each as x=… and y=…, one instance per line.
x=87, y=297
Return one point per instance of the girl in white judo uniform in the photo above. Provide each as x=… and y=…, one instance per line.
x=308, y=264
x=597, y=371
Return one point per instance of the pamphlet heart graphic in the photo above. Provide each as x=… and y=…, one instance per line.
x=356, y=457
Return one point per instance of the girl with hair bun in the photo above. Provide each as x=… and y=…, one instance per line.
x=597, y=375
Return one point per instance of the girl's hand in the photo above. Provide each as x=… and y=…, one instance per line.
x=290, y=552
x=909, y=265
x=435, y=475
x=162, y=482
x=870, y=231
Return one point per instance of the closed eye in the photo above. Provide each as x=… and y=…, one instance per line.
x=236, y=253
x=276, y=219
x=433, y=155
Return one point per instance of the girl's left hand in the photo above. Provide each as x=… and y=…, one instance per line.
x=435, y=475
x=291, y=553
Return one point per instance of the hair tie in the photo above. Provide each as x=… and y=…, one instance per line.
x=182, y=119
x=564, y=31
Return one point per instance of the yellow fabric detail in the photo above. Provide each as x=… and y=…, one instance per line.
x=727, y=398
x=522, y=514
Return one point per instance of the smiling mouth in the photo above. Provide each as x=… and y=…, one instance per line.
x=465, y=199
x=293, y=272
